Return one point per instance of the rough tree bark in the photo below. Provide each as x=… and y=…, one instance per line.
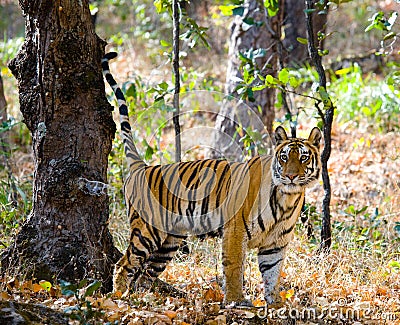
x=64, y=106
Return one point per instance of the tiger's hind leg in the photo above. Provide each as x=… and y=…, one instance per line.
x=144, y=240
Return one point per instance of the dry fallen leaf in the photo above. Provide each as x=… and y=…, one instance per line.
x=37, y=287
x=170, y=314
x=258, y=303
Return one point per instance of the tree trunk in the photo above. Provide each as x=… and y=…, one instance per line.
x=63, y=103
x=286, y=52
x=295, y=26
x=242, y=39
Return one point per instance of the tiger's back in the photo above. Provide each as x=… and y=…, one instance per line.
x=255, y=204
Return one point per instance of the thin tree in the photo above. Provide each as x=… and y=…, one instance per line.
x=175, y=67
x=326, y=114
x=63, y=102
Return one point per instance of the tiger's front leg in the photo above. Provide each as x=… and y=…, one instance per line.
x=233, y=254
x=132, y=264
x=270, y=262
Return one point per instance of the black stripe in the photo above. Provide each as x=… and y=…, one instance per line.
x=110, y=79
x=104, y=65
x=119, y=94
x=123, y=110
x=146, y=243
x=137, y=252
x=157, y=269
x=273, y=202
x=287, y=231
x=245, y=225
x=265, y=267
x=160, y=259
x=154, y=234
x=222, y=180
x=167, y=249
x=259, y=218
x=110, y=55
x=125, y=126
x=271, y=251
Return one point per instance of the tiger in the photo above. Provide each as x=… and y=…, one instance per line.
x=254, y=204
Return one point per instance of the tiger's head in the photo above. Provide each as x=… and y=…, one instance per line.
x=296, y=162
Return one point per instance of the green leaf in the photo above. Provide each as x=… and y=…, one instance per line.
x=309, y=11
x=238, y=11
x=293, y=82
x=361, y=238
x=165, y=43
x=258, y=88
x=250, y=95
x=323, y=52
x=269, y=79
x=131, y=91
x=249, y=21
x=68, y=289
x=91, y=288
x=163, y=85
x=158, y=5
x=82, y=283
x=283, y=76
x=149, y=151
x=227, y=10
x=397, y=227
x=272, y=7
x=302, y=40
x=46, y=285
x=343, y=71
x=394, y=264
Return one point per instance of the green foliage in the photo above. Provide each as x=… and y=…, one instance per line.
x=15, y=204
x=366, y=230
x=83, y=311
x=8, y=50
x=381, y=22
x=362, y=98
x=272, y=7
x=15, y=198
x=360, y=229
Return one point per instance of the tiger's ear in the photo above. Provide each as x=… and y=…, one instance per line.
x=280, y=135
x=315, y=136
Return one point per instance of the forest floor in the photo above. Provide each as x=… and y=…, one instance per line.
x=357, y=282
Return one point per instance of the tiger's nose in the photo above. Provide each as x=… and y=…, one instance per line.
x=291, y=176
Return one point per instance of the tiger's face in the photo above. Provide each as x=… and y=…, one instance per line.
x=297, y=162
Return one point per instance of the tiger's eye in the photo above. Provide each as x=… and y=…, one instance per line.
x=284, y=157
x=304, y=158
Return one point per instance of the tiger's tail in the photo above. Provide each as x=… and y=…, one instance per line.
x=132, y=156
